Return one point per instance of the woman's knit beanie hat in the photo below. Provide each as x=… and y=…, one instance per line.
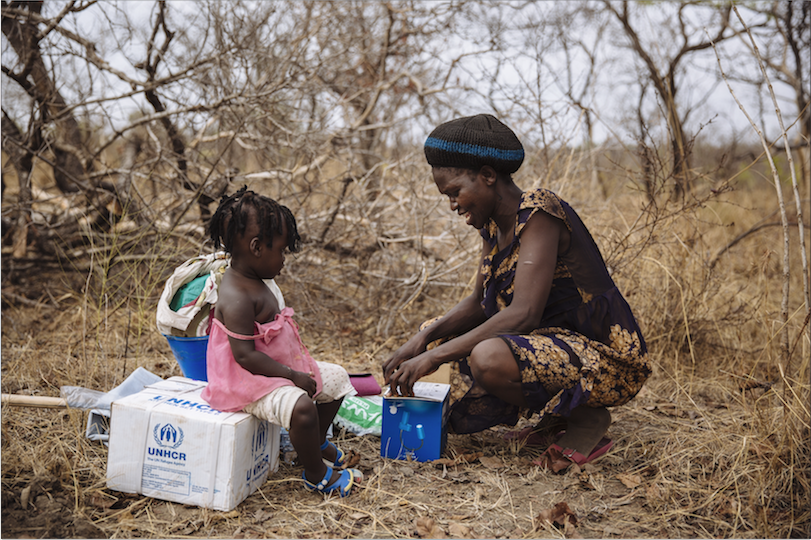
x=472, y=142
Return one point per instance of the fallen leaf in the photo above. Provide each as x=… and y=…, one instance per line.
x=100, y=501
x=728, y=507
x=470, y=457
x=570, y=531
x=591, y=468
x=630, y=480
x=750, y=384
x=358, y=515
x=458, y=477
x=457, y=530
x=586, y=480
x=219, y=516
x=491, y=462
x=353, y=459
x=458, y=460
x=427, y=528
x=262, y=515
x=25, y=496
x=562, y=517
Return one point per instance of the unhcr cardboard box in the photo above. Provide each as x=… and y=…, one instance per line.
x=167, y=442
x=416, y=427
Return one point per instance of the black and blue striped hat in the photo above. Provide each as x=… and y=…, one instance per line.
x=472, y=142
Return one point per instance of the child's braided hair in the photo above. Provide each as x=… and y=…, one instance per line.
x=232, y=218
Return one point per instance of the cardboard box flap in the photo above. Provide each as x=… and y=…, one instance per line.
x=177, y=384
x=425, y=391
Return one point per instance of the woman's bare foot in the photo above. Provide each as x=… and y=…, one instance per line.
x=587, y=425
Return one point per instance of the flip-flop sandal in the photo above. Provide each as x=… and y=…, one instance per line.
x=340, y=457
x=343, y=485
x=557, y=459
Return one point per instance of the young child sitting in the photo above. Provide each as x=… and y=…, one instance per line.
x=256, y=361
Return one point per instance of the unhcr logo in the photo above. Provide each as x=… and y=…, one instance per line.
x=186, y=404
x=167, y=436
x=260, y=437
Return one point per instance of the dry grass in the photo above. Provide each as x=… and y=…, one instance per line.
x=716, y=445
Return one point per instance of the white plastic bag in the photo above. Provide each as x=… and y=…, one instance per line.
x=179, y=322
x=192, y=320
x=98, y=420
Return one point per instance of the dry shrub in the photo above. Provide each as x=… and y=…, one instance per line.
x=715, y=445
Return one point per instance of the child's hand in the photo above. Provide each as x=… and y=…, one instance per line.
x=304, y=381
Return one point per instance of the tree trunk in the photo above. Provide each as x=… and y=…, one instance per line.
x=69, y=173
x=23, y=163
x=681, y=154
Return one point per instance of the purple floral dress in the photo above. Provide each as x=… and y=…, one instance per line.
x=588, y=348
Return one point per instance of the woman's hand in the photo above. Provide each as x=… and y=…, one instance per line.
x=402, y=380
x=304, y=381
x=411, y=348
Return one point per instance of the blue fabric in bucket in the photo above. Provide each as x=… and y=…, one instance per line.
x=190, y=353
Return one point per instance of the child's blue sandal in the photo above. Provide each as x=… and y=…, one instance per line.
x=340, y=457
x=343, y=485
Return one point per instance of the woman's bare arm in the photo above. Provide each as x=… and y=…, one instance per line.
x=464, y=316
x=533, y=281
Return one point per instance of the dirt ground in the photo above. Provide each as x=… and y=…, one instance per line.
x=689, y=459
x=499, y=494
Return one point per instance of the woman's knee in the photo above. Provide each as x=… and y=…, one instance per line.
x=492, y=360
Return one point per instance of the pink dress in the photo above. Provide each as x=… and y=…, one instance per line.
x=230, y=386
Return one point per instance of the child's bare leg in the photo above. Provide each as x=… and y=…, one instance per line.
x=326, y=414
x=306, y=437
x=587, y=425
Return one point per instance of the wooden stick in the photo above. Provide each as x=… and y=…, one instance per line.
x=33, y=401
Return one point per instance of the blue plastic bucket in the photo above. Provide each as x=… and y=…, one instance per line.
x=190, y=353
